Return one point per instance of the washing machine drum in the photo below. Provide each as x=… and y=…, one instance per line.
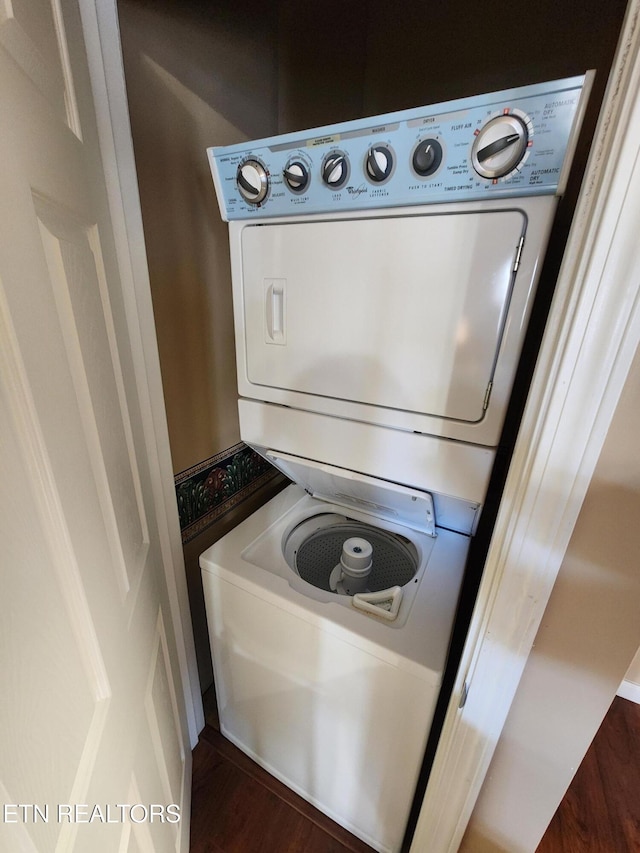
x=347, y=557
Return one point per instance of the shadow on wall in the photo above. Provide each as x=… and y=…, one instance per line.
x=214, y=52
x=181, y=84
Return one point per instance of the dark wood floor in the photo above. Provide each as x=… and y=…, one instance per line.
x=239, y=808
x=601, y=810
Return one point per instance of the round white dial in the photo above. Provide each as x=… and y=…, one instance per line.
x=335, y=169
x=499, y=146
x=379, y=163
x=252, y=181
x=296, y=176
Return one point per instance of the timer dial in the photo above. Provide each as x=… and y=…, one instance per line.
x=379, y=163
x=427, y=156
x=252, y=181
x=500, y=146
x=335, y=169
x=296, y=176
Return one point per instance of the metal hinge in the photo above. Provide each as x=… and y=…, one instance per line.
x=464, y=694
x=485, y=404
x=518, y=254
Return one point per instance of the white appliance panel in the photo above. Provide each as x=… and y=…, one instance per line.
x=320, y=720
x=402, y=312
x=441, y=467
x=381, y=498
x=251, y=307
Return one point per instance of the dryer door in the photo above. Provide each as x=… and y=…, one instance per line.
x=402, y=312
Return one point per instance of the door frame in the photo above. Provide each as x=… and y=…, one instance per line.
x=102, y=37
x=591, y=338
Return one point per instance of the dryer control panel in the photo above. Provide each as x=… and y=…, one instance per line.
x=516, y=142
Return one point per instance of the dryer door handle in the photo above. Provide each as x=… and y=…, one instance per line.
x=274, y=310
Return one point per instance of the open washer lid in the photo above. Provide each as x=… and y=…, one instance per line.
x=381, y=498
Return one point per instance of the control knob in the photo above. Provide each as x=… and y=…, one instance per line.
x=499, y=146
x=296, y=176
x=252, y=181
x=335, y=169
x=427, y=156
x=379, y=163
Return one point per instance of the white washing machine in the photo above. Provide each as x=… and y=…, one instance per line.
x=383, y=274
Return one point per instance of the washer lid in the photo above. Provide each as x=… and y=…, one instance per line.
x=381, y=498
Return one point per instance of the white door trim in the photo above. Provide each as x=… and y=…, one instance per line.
x=102, y=36
x=629, y=690
x=591, y=338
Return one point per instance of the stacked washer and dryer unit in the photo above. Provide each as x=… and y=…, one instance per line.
x=383, y=274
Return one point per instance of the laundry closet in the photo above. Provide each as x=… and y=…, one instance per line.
x=200, y=76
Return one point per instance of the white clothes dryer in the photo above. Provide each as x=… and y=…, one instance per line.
x=383, y=275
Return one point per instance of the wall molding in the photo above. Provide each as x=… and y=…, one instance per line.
x=207, y=491
x=630, y=690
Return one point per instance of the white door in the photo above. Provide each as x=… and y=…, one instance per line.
x=92, y=712
x=401, y=312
